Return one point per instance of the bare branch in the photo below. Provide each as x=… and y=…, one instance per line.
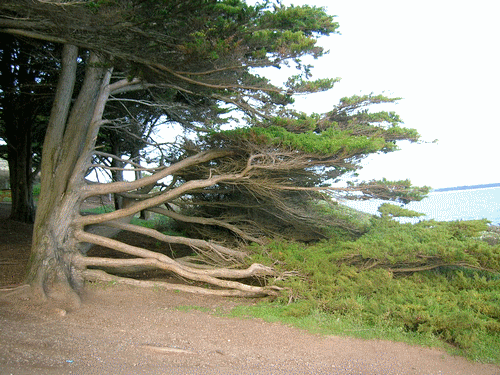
x=162, y=67
x=207, y=221
x=35, y=35
x=125, y=85
x=191, y=242
x=118, y=187
x=163, y=262
x=228, y=273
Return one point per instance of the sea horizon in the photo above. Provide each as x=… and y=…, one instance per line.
x=473, y=203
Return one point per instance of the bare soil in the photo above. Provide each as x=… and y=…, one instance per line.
x=127, y=330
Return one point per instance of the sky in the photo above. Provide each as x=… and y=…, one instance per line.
x=441, y=57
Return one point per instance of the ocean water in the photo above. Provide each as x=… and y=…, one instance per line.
x=447, y=206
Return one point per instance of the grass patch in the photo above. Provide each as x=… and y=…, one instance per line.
x=103, y=209
x=5, y=195
x=156, y=221
x=319, y=322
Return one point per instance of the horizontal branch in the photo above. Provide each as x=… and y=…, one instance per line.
x=125, y=85
x=178, y=240
x=119, y=187
x=437, y=265
x=164, y=262
x=206, y=221
x=209, y=85
x=156, y=200
x=97, y=275
x=35, y=35
x=228, y=273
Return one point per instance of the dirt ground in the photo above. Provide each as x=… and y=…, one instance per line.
x=127, y=330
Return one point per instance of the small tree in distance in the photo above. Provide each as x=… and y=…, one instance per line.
x=198, y=60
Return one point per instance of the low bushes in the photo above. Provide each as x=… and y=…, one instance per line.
x=431, y=280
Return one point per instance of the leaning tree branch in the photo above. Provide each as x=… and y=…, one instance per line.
x=119, y=187
x=164, y=262
x=428, y=263
x=208, y=85
x=154, y=201
x=35, y=35
x=253, y=271
x=191, y=242
x=206, y=221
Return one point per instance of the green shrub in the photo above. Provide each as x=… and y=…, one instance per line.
x=428, y=280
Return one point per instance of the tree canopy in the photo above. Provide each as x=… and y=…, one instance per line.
x=195, y=63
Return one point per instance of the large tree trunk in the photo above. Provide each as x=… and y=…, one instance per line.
x=66, y=154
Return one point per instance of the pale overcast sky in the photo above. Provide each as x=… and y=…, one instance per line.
x=442, y=57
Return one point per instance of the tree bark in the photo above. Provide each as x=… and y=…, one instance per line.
x=68, y=142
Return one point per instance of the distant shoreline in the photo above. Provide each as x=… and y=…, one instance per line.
x=468, y=187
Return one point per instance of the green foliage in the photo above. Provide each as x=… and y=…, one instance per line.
x=426, y=244
x=387, y=209
x=306, y=19
x=298, y=84
x=200, y=60
x=100, y=209
x=36, y=191
x=329, y=142
x=356, y=101
x=350, y=222
x=381, y=282
x=402, y=191
x=96, y=4
x=353, y=112
x=156, y=222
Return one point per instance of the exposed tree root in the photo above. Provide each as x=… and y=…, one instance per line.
x=151, y=259
x=8, y=290
x=98, y=275
x=254, y=270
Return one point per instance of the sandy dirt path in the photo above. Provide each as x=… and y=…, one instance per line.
x=126, y=330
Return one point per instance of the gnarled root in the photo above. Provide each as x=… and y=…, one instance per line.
x=146, y=259
x=98, y=275
x=209, y=276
